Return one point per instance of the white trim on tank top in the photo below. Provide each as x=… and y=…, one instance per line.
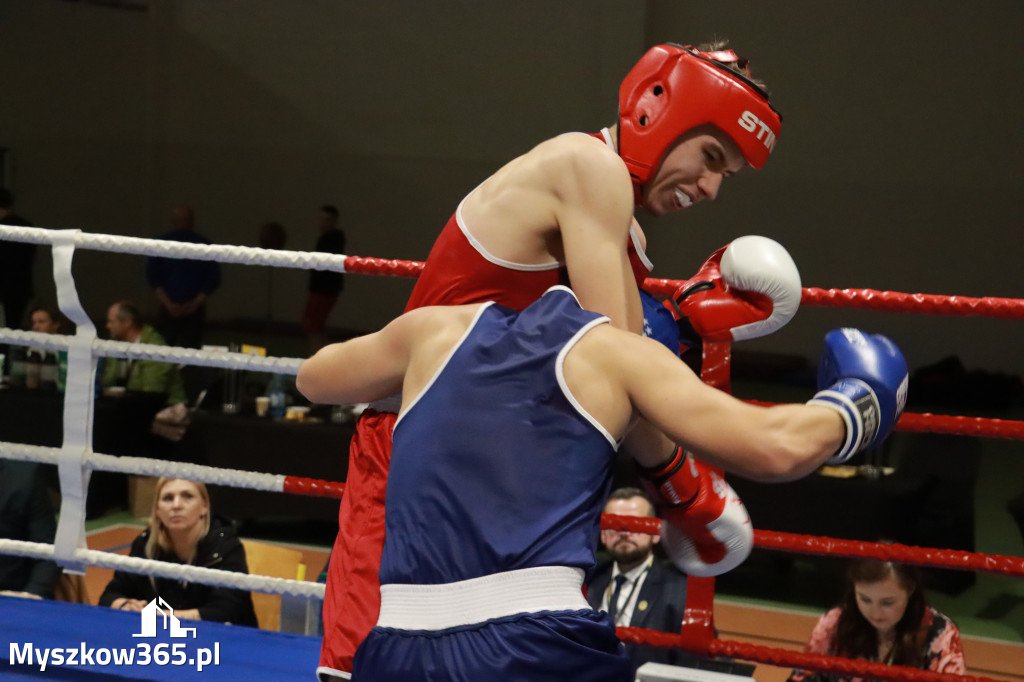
x=444, y=363
x=510, y=265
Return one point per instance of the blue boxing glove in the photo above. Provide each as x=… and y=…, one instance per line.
x=659, y=323
x=864, y=378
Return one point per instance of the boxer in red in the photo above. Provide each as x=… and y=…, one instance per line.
x=563, y=213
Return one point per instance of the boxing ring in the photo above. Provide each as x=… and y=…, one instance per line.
x=75, y=460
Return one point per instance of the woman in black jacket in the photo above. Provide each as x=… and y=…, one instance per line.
x=182, y=530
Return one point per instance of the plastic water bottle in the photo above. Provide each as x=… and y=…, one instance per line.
x=19, y=367
x=48, y=372
x=276, y=392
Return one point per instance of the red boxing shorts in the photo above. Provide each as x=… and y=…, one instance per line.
x=318, y=307
x=352, y=601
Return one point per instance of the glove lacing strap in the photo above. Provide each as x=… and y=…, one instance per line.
x=687, y=333
x=669, y=483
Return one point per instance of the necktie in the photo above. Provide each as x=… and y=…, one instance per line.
x=613, y=603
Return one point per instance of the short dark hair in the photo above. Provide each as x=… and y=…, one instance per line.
x=55, y=315
x=126, y=310
x=630, y=492
x=331, y=209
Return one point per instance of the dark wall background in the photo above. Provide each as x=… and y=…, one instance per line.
x=899, y=165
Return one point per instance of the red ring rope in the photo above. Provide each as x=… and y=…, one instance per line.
x=927, y=304
x=864, y=299
x=805, y=544
x=946, y=558
x=787, y=659
x=697, y=632
x=832, y=664
x=961, y=426
x=382, y=266
x=951, y=425
x=313, y=487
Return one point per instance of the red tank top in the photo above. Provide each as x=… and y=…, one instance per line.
x=459, y=270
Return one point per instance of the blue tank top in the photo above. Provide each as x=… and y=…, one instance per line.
x=495, y=466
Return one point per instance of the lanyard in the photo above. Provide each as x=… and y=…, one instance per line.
x=629, y=597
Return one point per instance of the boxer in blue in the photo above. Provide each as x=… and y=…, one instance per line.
x=501, y=463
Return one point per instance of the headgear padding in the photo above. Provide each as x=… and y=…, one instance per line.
x=673, y=89
x=659, y=323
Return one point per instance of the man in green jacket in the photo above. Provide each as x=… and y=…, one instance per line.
x=124, y=322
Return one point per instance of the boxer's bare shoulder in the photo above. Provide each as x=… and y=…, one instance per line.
x=376, y=365
x=518, y=213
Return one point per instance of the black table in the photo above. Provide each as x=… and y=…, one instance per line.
x=121, y=427
x=928, y=501
x=250, y=443
x=857, y=508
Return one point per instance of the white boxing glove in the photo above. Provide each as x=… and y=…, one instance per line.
x=747, y=289
x=706, y=530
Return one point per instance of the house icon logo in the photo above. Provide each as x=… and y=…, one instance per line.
x=170, y=621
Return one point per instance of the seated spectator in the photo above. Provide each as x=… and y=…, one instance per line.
x=885, y=617
x=46, y=321
x=49, y=321
x=124, y=322
x=634, y=587
x=26, y=514
x=181, y=529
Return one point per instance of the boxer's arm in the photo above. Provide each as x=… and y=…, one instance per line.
x=594, y=210
x=777, y=443
x=402, y=356
x=648, y=444
x=363, y=369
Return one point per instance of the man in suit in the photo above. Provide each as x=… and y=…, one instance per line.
x=652, y=594
x=26, y=514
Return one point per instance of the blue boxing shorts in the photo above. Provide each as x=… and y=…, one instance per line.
x=529, y=625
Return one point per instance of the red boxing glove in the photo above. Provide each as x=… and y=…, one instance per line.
x=706, y=530
x=747, y=289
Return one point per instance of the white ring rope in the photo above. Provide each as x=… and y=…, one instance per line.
x=165, y=569
x=149, y=351
x=76, y=458
x=144, y=466
x=223, y=253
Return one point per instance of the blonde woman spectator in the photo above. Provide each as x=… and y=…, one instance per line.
x=182, y=530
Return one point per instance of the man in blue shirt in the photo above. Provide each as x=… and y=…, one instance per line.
x=182, y=286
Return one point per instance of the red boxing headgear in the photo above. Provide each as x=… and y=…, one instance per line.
x=673, y=89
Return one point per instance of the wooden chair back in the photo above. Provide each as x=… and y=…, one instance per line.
x=278, y=562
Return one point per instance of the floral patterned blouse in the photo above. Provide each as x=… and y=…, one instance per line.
x=944, y=652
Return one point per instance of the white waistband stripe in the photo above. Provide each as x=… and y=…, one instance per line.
x=438, y=607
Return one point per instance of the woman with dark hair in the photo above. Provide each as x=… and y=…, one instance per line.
x=182, y=530
x=885, y=617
